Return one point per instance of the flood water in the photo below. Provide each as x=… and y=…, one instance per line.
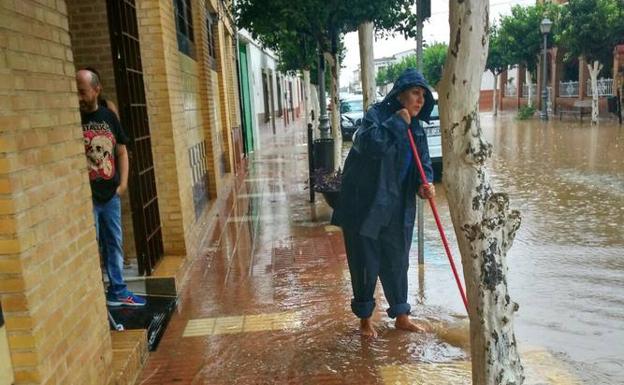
x=566, y=266
x=267, y=301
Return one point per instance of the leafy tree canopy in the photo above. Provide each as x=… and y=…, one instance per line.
x=434, y=57
x=496, y=60
x=519, y=33
x=291, y=27
x=390, y=73
x=591, y=28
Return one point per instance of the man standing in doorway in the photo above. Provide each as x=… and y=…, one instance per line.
x=107, y=159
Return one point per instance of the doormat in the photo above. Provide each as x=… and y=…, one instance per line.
x=154, y=317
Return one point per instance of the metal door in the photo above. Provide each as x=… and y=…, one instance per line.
x=246, y=100
x=124, y=33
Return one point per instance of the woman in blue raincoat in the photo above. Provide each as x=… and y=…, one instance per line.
x=377, y=203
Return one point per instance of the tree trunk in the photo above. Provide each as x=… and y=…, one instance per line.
x=494, y=101
x=594, y=69
x=367, y=70
x=314, y=103
x=484, y=225
x=334, y=65
x=530, y=91
x=307, y=105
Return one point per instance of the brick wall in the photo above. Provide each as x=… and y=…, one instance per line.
x=91, y=45
x=486, y=99
x=50, y=279
x=183, y=111
x=6, y=367
x=193, y=125
x=90, y=39
x=222, y=70
x=159, y=54
x=209, y=101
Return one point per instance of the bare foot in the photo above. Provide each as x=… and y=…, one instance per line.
x=403, y=322
x=366, y=328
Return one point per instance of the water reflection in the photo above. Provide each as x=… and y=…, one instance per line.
x=276, y=255
x=566, y=266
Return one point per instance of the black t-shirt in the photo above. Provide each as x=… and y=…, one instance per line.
x=102, y=132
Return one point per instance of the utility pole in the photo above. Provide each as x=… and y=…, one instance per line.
x=419, y=34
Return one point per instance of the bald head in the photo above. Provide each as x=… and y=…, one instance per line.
x=88, y=90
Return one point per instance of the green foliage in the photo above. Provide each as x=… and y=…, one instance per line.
x=519, y=36
x=525, y=112
x=380, y=78
x=273, y=24
x=496, y=60
x=591, y=28
x=298, y=30
x=295, y=52
x=434, y=57
x=392, y=72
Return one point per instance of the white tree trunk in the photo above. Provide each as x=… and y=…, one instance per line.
x=495, y=105
x=367, y=67
x=484, y=225
x=314, y=102
x=530, y=92
x=594, y=69
x=334, y=67
x=306, y=97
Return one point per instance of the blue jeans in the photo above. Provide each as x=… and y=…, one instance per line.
x=109, y=235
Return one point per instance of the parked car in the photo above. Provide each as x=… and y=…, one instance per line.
x=434, y=139
x=351, y=114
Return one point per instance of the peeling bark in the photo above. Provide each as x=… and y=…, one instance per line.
x=484, y=224
x=306, y=97
x=594, y=69
x=314, y=102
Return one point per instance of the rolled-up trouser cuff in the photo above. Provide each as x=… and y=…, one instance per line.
x=397, y=310
x=362, y=309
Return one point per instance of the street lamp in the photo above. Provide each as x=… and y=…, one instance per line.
x=545, y=28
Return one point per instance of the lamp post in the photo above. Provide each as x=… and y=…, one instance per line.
x=545, y=29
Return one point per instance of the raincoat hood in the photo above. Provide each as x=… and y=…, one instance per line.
x=408, y=79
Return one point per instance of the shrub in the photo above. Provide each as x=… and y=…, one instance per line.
x=525, y=112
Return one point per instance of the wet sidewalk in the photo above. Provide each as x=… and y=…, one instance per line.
x=267, y=302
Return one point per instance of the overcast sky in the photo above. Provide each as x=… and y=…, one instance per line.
x=436, y=29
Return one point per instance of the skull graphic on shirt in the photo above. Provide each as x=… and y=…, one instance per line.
x=99, y=146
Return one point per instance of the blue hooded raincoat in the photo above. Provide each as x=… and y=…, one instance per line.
x=372, y=185
x=377, y=203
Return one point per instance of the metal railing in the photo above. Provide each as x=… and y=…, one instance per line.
x=510, y=90
x=605, y=87
x=525, y=91
x=569, y=89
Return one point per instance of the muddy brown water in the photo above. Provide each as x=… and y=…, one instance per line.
x=566, y=266
x=275, y=256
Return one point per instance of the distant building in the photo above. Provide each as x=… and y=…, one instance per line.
x=355, y=86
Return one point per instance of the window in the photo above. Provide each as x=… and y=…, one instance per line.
x=211, y=28
x=355, y=105
x=184, y=26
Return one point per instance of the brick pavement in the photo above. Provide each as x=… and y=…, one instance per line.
x=267, y=300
